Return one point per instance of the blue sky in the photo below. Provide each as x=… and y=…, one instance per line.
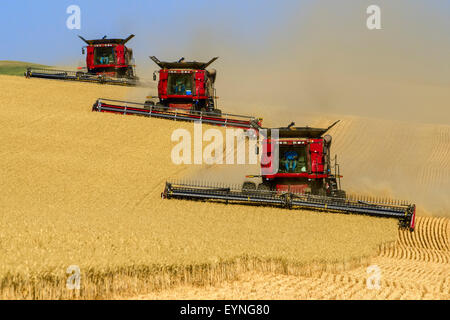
x=36, y=30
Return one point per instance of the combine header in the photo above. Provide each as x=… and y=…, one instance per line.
x=107, y=61
x=301, y=178
x=176, y=114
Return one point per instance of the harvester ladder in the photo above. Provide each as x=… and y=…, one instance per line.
x=337, y=172
x=216, y=106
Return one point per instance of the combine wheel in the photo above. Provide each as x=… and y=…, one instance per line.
x=148, y=104
x=160, y=107
x=321, y=192
x=248, y=187
x=263, y=187
x=340, y=194
x=129, y=74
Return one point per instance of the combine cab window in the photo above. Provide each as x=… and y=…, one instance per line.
x=104, y=55
x=181, y=83
x=293, y=159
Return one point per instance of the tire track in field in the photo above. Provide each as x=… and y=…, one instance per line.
x=430, y=233
x=429, y=242
x=360, y=150
x=342, y=136
x=435, y=171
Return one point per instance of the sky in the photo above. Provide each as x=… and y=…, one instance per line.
x=304, y=54
x=36, y=31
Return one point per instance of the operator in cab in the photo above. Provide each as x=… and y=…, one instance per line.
x=179, y=87
x=290, y=160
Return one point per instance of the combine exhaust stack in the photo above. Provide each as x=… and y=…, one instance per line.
x=151, y=111
x=402, y=211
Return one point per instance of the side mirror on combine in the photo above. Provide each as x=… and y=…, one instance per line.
x=154, y=76
x=82, y=50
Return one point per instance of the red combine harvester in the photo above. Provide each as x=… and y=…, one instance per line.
x=303, y=164
x=186, y=85
x=297, y=173
x=185, y=93
x=107, y=61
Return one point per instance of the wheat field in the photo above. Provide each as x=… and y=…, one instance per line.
x=415, y=266
x=83, y=188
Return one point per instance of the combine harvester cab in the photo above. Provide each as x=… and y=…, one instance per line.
x=107, y=61
x=303, y=164
x=187, y=85
x=303, y=177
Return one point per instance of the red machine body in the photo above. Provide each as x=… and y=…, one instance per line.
x=304, y=164
x=109, y=57
x=186, y=85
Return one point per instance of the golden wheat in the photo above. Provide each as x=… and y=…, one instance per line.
x=82, y=188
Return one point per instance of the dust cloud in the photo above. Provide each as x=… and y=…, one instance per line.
x=316, y=62
x=322, y=58
x=316, y=57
